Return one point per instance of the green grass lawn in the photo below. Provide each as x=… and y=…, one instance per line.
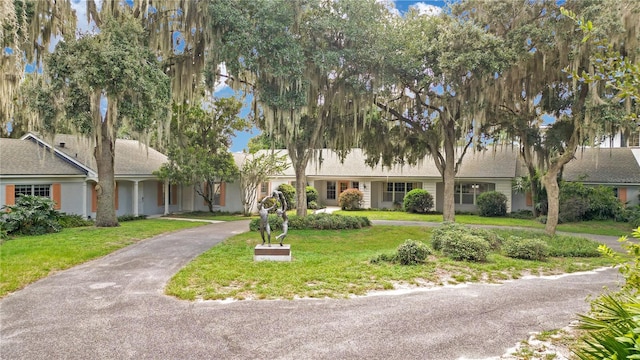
x=336, y=264
x=26, y=259
x=608, y=227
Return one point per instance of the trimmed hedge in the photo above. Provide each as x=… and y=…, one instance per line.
x=322, y=221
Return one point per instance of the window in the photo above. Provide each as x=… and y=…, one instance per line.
x=467, y=193
x=634, y=138
x=355, y=185
x=35, y=190
x=264, y=190
x=395, y=192
x=331, y=190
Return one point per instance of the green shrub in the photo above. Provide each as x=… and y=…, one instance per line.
x=131, y=217
x=439, y=234
x=573, y=209
x=613, y=322
x=570, y=246
x=451, y=230
x=528, y=249
x=350, y=199
x=579, y=202
x=31, y=215
x=313, y=205
x=466, y=247
x=322, y=221
x=418, y=201
x=412, y=252
x=289, y=193
x=521, y=214
x=312, y=195
x=73, y=220
x=492, y=203
x=382, y=258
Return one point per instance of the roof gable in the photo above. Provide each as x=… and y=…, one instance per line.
x=20, y=157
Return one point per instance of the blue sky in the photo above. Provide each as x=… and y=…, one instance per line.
x=240, y=141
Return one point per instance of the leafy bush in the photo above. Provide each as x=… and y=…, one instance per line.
x=570, y=246
x=289, y=193
x=31, y=215
x=313, y=205
x=131, y=217
x=451, y=230
x=613, y=322
x=350, y=199
x=441, y=233
x=466, y=247
x=528, y=249
x=573, y=209
x=412, y=252
x=521, y=214
x=579, y=202
x=630, y=215
x=312, y=195
x=73, y=220
x=418, y=201
x=382, y=258
x=492, y=203
x=322, y=221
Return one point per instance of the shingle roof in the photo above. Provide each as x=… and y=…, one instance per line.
x=613, y=165
x=485, y=164
x=25, y=157
x=131, y=157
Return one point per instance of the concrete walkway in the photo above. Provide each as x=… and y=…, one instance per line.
x=114, y=308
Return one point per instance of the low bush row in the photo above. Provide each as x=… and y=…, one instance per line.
x=321, y=221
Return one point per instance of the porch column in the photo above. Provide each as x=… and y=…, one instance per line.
x=135, y=198
x=166, y=197
x=84, y=199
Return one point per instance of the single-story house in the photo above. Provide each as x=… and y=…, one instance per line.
x=64, y=169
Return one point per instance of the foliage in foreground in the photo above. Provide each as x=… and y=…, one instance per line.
x=322, y=221
x=31, y=215
x=350, y=199
x=613, y=324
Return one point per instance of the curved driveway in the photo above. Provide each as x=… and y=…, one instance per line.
x=114, y=308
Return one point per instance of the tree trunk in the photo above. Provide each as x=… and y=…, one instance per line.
x=105, y=189
x=301, y=185
x=550, y=182
x=534, y=190
x=449, y=172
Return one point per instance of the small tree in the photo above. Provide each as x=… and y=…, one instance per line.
x=418, y=201
x=199, y=154
x=255, y=170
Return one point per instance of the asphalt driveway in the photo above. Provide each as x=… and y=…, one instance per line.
x=114, y=308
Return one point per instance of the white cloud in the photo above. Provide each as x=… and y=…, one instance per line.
x=426, y=9
x=391, y=6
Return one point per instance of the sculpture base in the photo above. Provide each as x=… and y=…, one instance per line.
x=275, y=252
